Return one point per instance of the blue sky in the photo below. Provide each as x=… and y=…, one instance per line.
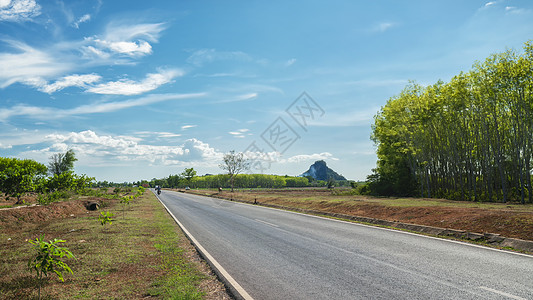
x=144, y=89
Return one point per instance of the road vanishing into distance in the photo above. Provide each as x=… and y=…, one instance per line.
x=275, y=254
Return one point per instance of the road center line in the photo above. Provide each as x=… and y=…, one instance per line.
x=511, y=296
x=267, y=223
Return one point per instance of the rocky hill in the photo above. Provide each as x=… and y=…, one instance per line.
x=320, y=171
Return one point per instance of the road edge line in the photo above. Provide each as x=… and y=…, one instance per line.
x=236, y=289
x=322, y=215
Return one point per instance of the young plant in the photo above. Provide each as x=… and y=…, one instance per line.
x=125, y=201
x=106, y=217
x=47, y=259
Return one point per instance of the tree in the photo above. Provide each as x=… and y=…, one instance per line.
x=62, y=162
x=19, y=176
x=188, y=174
x=234, y=163
x=469, y=139
x=47, y=259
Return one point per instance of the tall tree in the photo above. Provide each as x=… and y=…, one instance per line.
x=469, y=139
x=234, y=163
x=188, y=174
x=62, y=162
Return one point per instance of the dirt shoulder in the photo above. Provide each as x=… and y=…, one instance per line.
x=509, y=220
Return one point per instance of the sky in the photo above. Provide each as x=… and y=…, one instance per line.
x=145, y=89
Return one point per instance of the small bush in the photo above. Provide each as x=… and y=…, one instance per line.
x=55, y=196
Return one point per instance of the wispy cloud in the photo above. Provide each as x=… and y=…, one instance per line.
x=18, y=10
x=131, y=40
x=157, y=134
x=516, y=10
x=49, y=113
x=240, y=133
x=184, y=127
x=68, y=81
x=130, y=87
x=29, y=64
x=290, y=62
x=383, y=26
x=82, y=19
x=309, y=157
x=204, y=56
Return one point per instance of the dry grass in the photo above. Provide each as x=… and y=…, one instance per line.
x=141, y=255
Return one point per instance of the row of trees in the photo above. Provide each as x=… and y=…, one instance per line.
x=469, y=139
x=21, y=176
x=239, y=181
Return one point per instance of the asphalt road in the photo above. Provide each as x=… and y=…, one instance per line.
x=275, y=254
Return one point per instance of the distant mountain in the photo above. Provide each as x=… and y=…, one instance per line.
x=320, y=171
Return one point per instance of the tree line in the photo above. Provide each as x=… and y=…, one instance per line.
x=240, y=181
x=21, y=176
x=468, y=139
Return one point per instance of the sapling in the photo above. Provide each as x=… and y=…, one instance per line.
x=48, y=259
x=125, y=201
x=106, y=217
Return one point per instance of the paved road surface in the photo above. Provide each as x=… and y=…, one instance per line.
x=275, y=254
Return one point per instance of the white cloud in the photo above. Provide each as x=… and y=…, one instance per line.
x=383, y=26
x=29, y=64
x=309, y=157
x=82, y=19
x=125, y=148
x=290, y=62
x=516, y=10
x=18, y=10
x=157, y=134
x=125, y=39
x=68, y=81
x=49, y=113
x=204, y=56
x=187, y=126
x=130, y=87
x=240, y=133
x=133, y=48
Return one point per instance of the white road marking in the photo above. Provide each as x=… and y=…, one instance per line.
x=242, y=292
x=267, y=223
x=384, y=228
x=511, y=296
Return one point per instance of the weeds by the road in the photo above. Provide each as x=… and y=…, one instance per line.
x=141, y=255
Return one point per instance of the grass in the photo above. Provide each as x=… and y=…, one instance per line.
x=143, y=255
x=307, y=197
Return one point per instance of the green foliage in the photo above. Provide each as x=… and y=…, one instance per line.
x=20, y=176
x=188, y=175
x=106, y=218
x=469, y=139
x=62, y=162
x=55, y=196
x=48, y=258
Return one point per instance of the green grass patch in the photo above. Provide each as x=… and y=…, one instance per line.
x=139, y=255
